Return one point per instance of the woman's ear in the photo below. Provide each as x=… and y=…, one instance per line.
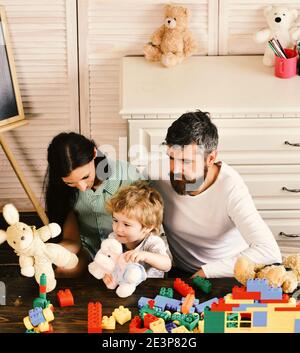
x=95, y=152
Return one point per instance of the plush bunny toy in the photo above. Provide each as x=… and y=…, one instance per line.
x=110, y=260
x=35, y=256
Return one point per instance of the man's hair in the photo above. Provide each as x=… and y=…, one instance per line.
x=141, y=202
x=193, y=127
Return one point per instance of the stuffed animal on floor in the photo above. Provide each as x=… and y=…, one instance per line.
x=172, y=42
x=285, y=275
x=36, y=257
x=109, y=260
x=281, y=22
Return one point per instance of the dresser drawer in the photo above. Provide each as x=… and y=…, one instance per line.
x=285, y=225
x=241, y=141
x=259, y=141
x=273, y=187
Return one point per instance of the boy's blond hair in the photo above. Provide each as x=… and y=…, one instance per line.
x=139, y=201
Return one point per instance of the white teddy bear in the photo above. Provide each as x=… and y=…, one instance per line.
x=110, y=260
x=36, y=257
x=281, y=21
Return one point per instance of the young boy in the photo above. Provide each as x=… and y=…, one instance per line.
x=137, y=212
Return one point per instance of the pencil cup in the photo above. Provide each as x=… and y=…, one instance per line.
x=286, y=68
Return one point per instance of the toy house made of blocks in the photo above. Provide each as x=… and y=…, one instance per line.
x=255, y=308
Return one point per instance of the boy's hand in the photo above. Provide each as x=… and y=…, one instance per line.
x=135, y=256
x=107, y=279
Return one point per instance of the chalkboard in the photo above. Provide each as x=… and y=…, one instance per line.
x=11, y=109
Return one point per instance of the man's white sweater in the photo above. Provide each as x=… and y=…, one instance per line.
x=210, y=230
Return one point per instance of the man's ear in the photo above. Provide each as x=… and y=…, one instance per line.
x=211, y=158
x=3, y=236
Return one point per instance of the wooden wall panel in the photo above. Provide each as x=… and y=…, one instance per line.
x=44, y=43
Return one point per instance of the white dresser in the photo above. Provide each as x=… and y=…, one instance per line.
x=257, y=115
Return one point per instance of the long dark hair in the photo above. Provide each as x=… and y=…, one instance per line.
x=66, y=152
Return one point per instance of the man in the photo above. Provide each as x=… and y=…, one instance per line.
x=209, y=216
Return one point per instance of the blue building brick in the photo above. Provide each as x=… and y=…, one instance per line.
x=200, y=307
x=259, y=319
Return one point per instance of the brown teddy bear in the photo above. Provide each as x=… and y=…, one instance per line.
x=285, y=275
x=172, y=42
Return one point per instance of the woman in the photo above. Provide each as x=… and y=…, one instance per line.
x=79, y=181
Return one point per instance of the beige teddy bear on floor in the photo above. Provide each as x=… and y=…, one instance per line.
x=36, y=257
x=172, y=42
x=285, y=275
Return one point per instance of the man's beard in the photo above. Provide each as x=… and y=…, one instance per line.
x=184, y=186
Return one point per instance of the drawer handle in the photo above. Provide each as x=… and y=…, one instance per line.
x=292, y=144
x=289, y=235
x=290, y=190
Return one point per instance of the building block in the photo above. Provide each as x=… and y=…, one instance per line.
x=122, y=314
x=41, y=301
x=135, y=326
x=108, y=323
x=297, y=326
x=2, y=293
x=151, y=303
x=190, y=321
x=148, y=318
x=285, y=299
x=180, y=329
x=169, y=326
x=166, y=292
x=182, y=288
x=39, y=319
x=166, y=315
x=259, y=319
x=94, y=317
x=200, y=327
x=256, y=285
x=165, y=303
x=241, y=293
x=196, y=301
x=221, y=305
x=200, y=307
x=271, y=293
x=213, y=321
x=65, y=298
x=188, y=303
x=202, y=283
x=158, y=326
x=143, y=301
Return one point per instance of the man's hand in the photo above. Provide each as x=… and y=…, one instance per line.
x=199, y=273
x=135, y=256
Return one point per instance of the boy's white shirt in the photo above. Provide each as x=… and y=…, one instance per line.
x=212, y=229
x=156, y=244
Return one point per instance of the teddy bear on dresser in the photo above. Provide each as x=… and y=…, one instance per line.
x=36, y=257
x=281, y=25
x=172, y=42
